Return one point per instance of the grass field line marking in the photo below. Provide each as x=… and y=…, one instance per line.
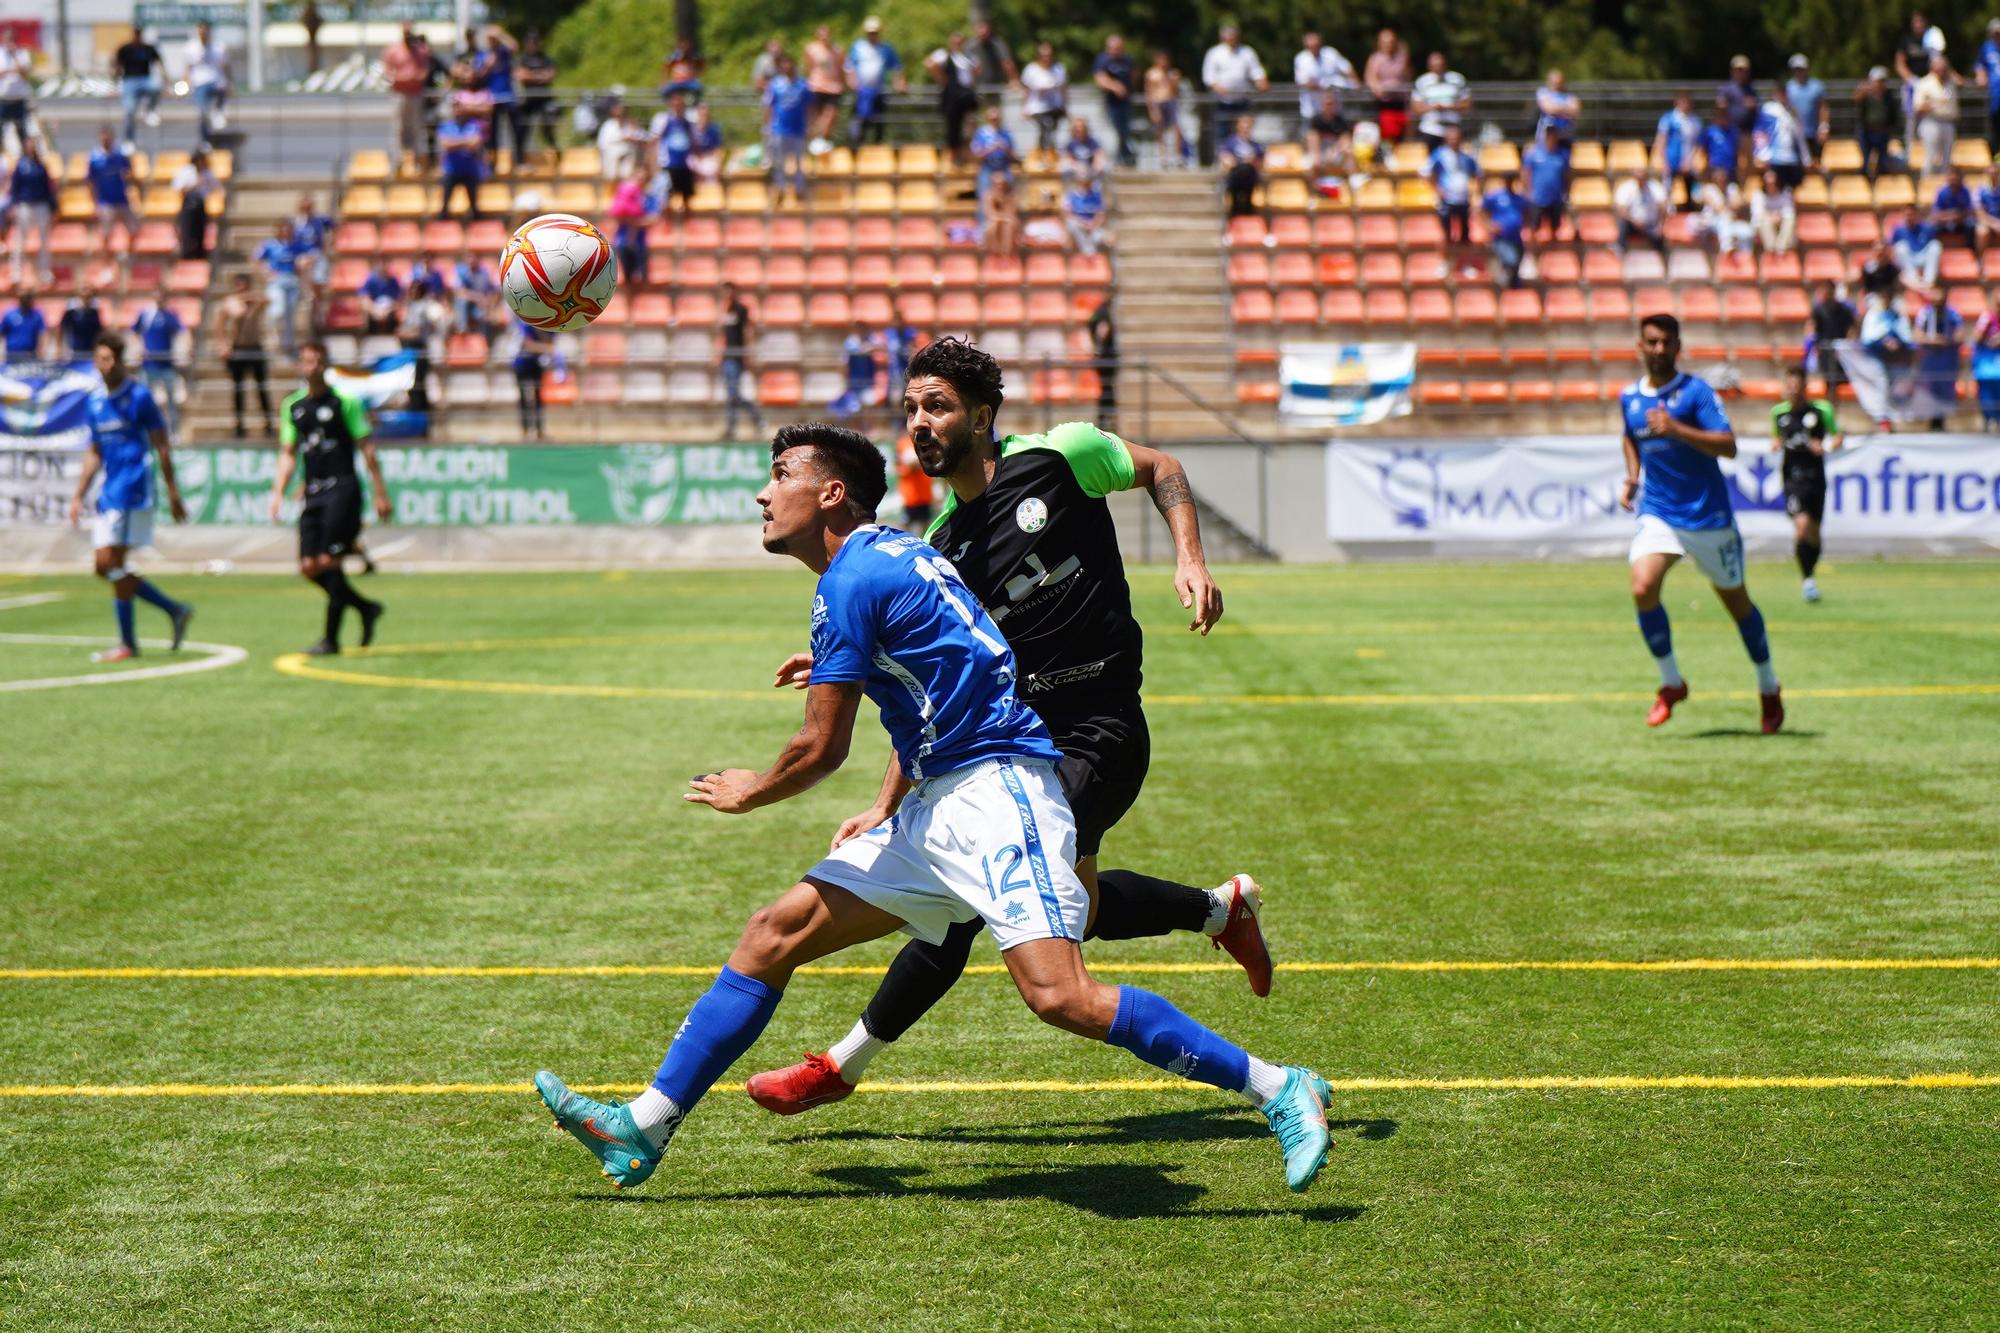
x=30, y=599
x=367, y=971
x=214, y=656
x=1523, y=1083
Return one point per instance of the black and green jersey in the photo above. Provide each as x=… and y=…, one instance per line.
x=1798, y=427
x=324, y=428
x=1039, y=548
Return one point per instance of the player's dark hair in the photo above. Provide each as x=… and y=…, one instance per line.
x=1665, y=323
x=316, y=345
x=115, y=341
x=973, y=374
x=839, y=452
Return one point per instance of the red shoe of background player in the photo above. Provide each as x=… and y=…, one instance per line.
x=814, y=1081
x=1663, y=705
x=1774, y=712
x=118, y=654
x=1242, y=933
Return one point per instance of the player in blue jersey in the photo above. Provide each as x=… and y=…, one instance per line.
x=1675, y=430
x=126, y=429
x=984, y=832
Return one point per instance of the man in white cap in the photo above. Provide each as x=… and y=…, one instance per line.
x=872, y=67
x=1807, y=98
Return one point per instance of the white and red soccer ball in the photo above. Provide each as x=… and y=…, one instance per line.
x=557, y=272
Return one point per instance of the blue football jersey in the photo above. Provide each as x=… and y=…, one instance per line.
x=1683, y=486
x=122, y=426
x=891, y=613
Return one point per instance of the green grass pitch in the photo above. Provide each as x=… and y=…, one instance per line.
x=244, y=816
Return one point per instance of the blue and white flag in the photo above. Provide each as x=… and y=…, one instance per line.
x=1920, y=384
x=42, y=405
x=1345, y=384
x=390, y=377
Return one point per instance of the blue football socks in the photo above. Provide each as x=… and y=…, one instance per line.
x=723, y=1024
x=1659, y=636
x=152, y=596
x=1161, y=1035
x=126, y=634
x=1751, y=627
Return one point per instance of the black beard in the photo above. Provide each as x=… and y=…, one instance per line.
x=953, y=452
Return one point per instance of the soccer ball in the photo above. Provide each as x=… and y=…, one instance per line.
x=557, y=272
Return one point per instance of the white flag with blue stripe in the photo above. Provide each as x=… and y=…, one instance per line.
x=1345, y=384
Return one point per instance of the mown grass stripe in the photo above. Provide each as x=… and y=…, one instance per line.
x=398, y=971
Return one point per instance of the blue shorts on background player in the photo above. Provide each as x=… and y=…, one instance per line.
x=981, y=831
x=126, y=429
x=1675, y=433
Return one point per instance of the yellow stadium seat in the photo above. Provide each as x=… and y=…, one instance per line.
x=1894, y=192
x=1498, y=159
x=222, y=162
x=875, y=159
x=1284, y=157
x=217, y=203
x=839, y=162
x=1851, y=192
x=494, y=197
x=1586, y=155
x=1970, y=154
x=748, y=197
x=1285, y=193
x=363, y=201
x=1377, y=194
x=583, y=198
x=73, y=201
x=1811, y=192
x=874, y=196
x=1411, y=195
x=917, y=196
x=159, y=201
x=1629, y=155
x=586, y=162
x=405, y=201
x=708, y=197
x=831, y=193
x=368, y=164
x=1590, y=192
x=918, y=159
x=166, y=164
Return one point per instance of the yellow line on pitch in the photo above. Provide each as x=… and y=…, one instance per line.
x=1524, y=1083
x=368, y=971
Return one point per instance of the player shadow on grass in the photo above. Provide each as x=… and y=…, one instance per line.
x=1117, y=1191
x=1720, y=733
x=1208, y=1125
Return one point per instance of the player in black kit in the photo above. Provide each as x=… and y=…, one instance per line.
x=1026, y=525
x=325, y=427
x=1805, y=430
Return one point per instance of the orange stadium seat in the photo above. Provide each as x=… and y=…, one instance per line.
x=1252, y=306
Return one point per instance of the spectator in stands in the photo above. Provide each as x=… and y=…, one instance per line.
x=459, y=139
x=1778, y=143
x=436, y=74
x=1082, y=154
x=495, y=71
x=632, y=209
x=1725, y=215
x=280, y=257
x=1104, y=351
x=1952, y=211
x=1875, y=119
x=241, y=332
x=1937, y=114
x=111, y=185
x=1557, y=108
x=1242, y=160
x=1986, y=205
x=1002, y=211
x=618, y=143
x=681, y=68
x=1936, y=325
x=139, y=69
x=993, y=150
x=1507, y=217
x=1675, y=144
x=1328, y=137
x=957, y=73
x=1319, y=68
x=736, y=329
x=1737, y=99
x=1806, y=96
x=1881, y=274
x=21, y=328
x=1546, y=165
x=31, y=195
x=1388, y=74
x=992, y=59
x=1720, y=145
x=421, y=328
x=1832, y=320
x=1988, y=74
x=1917, y=251
x=537, y=71
x=673, y=140
x=195, y=182
x=871, y=69
x=1116, y=79
x=899, y=343
x=1084, y=216
x=1231, y=71
x=1163, y=109
x=16, y=67
x=857, y=360
x=406, y=65
x=1440, y=97
x=478, y=293
x=1774, y=213
x=1641, y=204
x=159, y=330
x=532, y=355
x=826, y=82
x=1047, y=100
x=766, y=64
x=381, y=299
x=1454, y=175
x=705, y=138
x=1914, y=49
x=207, y=71
x=1986, y=362
x=312, y=238
x=81, y=325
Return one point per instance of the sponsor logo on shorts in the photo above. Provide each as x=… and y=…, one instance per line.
x=1015, y=913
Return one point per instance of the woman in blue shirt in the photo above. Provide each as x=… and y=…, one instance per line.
x=33, y=195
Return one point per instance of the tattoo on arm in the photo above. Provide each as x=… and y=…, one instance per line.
x=1172, y=491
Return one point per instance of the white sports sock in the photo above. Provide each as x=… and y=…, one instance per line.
x=1670, y=671
x=1767, y=677
x=851, y=1054
x=656, y=1114
x=1218, y=909
x=1266, y=1081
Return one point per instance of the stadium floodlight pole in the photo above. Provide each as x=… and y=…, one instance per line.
x=687, y=24
x=62, y=36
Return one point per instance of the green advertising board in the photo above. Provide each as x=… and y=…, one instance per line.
x=646, y=485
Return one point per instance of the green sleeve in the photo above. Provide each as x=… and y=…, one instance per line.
x=1826, y=415
x=1101, y=462
x=355, y=413
x=286, y=434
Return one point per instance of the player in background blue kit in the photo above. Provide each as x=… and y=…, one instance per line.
x=1675, y=430
x=126, y=428
x=984, y=831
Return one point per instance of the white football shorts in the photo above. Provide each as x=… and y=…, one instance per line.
x=121, y=527
x=994, y=839
x=1717, y=551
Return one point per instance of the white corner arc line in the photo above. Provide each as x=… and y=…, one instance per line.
x=215, y=656
x=29, y=599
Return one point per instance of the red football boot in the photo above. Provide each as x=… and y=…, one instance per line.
x=813, y=1081
x=1774, y=711
x=1663, y=705
x=1242, y=934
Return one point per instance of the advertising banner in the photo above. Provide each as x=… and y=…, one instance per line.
x=1558, y=489
x=1345, y=384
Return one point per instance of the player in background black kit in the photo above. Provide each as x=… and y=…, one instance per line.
x=1805, y=430
x=1026, y=526
x=323, y=428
